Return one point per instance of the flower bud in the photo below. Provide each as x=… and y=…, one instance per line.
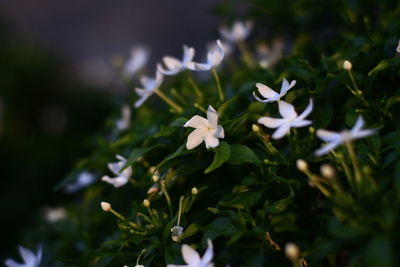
x=398, y=48
x=255, y=128
x=327, y=171
x=153, y=189
x=347, y=65
x=155, y=178
x=292, y=251
x=302, y=165
x=195, y=191
x=311, y=130
x=146, y=203
x=105, y=206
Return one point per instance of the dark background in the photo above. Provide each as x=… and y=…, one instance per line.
x=57, y=86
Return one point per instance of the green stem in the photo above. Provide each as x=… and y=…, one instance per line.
x=180, y=211
x=169, y=101
x=196, y=88
x=354, y=161
x=246, y=54
x=357, y=92
x=220, y=92
x=167, y=197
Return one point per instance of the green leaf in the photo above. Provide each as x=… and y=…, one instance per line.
x=241, y=154
x=381, y=66
x=190, y=231
x=136, y=154
x=379, y=252
x=179, y=152
x=222, y=154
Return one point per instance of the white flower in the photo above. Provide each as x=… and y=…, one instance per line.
x=55, y=214
x=122, y=177
x=30, y=259
x=84, y=179
x=334, y=139
x=139, y=57
x=398, y=48
x=192, y=258
x=207, y=130
x=271, y=95
x=125, y=121
x=227, y=47
x=290, y=119
x=150, y=85
x=214, y=58
x=238, y=32
x=174, y=65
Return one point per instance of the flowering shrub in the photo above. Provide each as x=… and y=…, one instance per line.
x=253, y=195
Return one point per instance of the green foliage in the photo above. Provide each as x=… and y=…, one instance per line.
x=251, y=199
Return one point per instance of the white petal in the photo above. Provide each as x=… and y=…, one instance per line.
x=188, y=54
x=226, y=34
x=328, y=136
x=307, y=111
x=219, y=132
x=139, y=57
x=215, y=57
x=171, y=62
x=141, y=100
x=200, y=66
x=161, y=69
x=28, y=256
x=208, y=255
x=266, y=91
x=326, y=148
x=147, y=82
x=363, y=133
x=212, y=116
x=281, y=131
x=269, y=100
x=287, y=110
x=174, y=265
x=300, y=123
x=114, y=167
x=159, y=79
x=197, y=122
x=271, y=122
x=358, y=125
x=117, y=181
x=190, y=256
x=210, y=140
x=195, y=138
x=286, y=86
x=13, y=263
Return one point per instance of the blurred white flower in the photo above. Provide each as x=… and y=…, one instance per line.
x=176, y=233
x=269, y=56
x=398, y=48
x=174, y=65
x=227, y=47
x=206, y=130
x=192, y=258
x=334, y=139
x=290, y=119
x=125, y=121
x=149, y=86
x=214, y=58
x=271, y=95
x=138, y=58
x=84, y=179
x=30, y=259
x=55, y=214
x=122, y=177
x=238, y=32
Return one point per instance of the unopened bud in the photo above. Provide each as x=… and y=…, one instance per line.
x=311, y=130
x=146, y=203
x=105, y=206
x=302, y=165
x=155, y=178
x=255, y=128
x=347, y=65
x=292, y=251
x=195, y=191
x=398, y=48
x=327, y=171
x=153, y=189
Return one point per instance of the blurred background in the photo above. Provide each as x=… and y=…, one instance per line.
x=57, y=86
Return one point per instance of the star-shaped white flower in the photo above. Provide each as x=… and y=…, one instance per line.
x=139, y=57
x=206, y=130
x=192, y=258
x=122, y=177
x=150, y=85
x=271, y=95
x=85, y=179
x=290, y=119
x=174, y=65
x=334, y=139
x=238, y=32
x=30, y=259
x=398, y=48
x=214, y=58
